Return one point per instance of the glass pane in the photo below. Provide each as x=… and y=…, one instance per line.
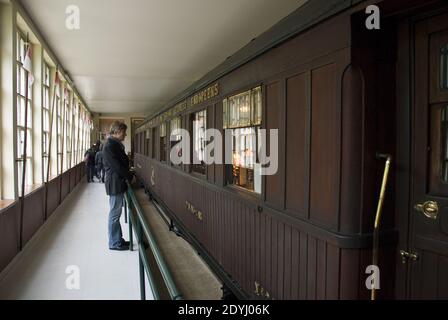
x=22, y=81
x=246, y=172
x=444, y=67
x=21, y=143
x=199, y=141
x=225, y=120
x=18, y=79
x=175, y=127
x=256, y=106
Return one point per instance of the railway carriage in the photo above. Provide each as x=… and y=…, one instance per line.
x=339, y=95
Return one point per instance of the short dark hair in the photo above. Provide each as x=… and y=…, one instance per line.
x=117, y=126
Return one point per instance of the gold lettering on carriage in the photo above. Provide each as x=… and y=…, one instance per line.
x=205, y=94
x=190, y=208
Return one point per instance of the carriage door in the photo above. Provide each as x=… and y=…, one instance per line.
x=427, y=255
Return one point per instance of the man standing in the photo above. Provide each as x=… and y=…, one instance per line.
x=99, y=164
x=116, y=164
x=89, y=159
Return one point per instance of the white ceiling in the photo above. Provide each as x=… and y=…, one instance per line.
x=133, y=56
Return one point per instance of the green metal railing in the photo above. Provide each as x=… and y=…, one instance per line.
x=138, y=222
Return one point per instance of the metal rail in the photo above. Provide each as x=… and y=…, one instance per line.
x=143, y=234
x=376, y=227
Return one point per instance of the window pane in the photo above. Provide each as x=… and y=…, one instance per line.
x=175, y=126
x=256, y=106
x=199, y=142
x=245, y=170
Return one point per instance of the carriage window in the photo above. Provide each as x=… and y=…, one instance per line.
x=147, y=141
x=242, y=115
x=199, y=142
x=175, y=126
x=153, y=143
x=444, y=67
x=444, y=136
x=162, y=129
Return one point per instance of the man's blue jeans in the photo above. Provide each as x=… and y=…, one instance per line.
x=115, y=234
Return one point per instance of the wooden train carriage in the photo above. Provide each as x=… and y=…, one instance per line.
x=338, y=93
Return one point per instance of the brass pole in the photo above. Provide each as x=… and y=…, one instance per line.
x=376, y=227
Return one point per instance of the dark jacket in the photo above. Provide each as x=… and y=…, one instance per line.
x=116, y=164
x=99, y=159
x=90, y=154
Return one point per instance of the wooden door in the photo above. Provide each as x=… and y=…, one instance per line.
x=427, y=252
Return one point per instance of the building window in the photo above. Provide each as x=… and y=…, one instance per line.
x=68, y=130
x=22, y=106
x=59, y=129
x=242, y=115
x=162, y=134
x=46, y=120
x=75, y=131
x=175, y=137
x=199, y=141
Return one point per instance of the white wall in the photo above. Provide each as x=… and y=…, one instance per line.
x=127, y=120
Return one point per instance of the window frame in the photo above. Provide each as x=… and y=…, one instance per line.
x=198, y=169
x=20, y=127
x=255, y=122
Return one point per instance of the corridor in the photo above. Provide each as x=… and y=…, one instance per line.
x=74, y=237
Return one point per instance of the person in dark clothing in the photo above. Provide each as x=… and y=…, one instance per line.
x=116, y=165
x=89, y=159
x=97, y=149
x=99, y=164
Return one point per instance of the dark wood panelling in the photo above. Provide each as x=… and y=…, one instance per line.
x=65, y=185
x=348, y=274
x=321, y=277
x=287, y=262
x=351, y=164
x=333, y=272
x=312, y=268
x=297, y=146
x=324, y=147
x=33, y=213
x=9, y=230
x=72, y=178
x=53, y=199
x=303, y=238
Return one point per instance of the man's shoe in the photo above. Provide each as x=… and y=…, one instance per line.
x=125, y=243
x=121, y=248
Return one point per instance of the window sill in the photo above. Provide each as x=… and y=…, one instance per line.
x=240, y=190
x=5, y=204
x=31, y=188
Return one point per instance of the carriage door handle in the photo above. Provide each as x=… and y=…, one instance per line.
x=429, y=208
